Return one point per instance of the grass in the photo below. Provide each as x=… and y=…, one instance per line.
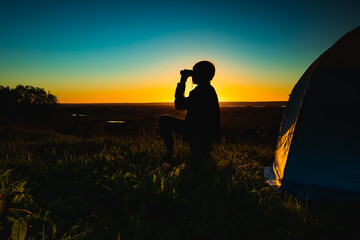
x=56, y=186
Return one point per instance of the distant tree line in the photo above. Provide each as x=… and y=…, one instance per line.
x=26, y=103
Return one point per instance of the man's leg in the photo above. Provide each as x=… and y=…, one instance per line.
x=168, y=125
x=200, y=151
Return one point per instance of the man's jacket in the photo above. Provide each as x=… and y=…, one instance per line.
x=202, y=122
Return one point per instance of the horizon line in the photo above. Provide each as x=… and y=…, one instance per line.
x=170, y=102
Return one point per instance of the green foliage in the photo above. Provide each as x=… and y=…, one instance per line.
x=18, y=231
x=57, y=186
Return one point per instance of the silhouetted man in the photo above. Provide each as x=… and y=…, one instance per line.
x=202, y=123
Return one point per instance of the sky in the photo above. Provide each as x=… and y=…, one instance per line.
x=132, y=51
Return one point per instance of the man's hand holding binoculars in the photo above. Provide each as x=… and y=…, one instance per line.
x=185, y=74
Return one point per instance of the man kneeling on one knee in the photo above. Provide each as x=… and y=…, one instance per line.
x=202, y=122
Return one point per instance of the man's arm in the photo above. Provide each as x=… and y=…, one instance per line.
x=181, y=102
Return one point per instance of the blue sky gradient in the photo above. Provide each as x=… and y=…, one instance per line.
x=69, y=47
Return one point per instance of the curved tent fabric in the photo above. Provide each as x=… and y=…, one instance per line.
x=317, y=154
x=289, y=120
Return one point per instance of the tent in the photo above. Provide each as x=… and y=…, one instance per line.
x=318, y=149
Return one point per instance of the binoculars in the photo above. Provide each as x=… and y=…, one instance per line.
x=186, y=72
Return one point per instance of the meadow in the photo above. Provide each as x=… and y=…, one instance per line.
x=88, y=179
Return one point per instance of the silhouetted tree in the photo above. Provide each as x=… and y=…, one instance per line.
x=33, y=95
x=26, y=103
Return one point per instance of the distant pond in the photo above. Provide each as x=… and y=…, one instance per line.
x=119, y=122
x=80, y=115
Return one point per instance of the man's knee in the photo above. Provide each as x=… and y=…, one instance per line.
x=171, y=123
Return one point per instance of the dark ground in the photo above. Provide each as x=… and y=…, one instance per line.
x=241, y=122
x=257, y=122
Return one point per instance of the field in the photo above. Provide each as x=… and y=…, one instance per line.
x=82, y=177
